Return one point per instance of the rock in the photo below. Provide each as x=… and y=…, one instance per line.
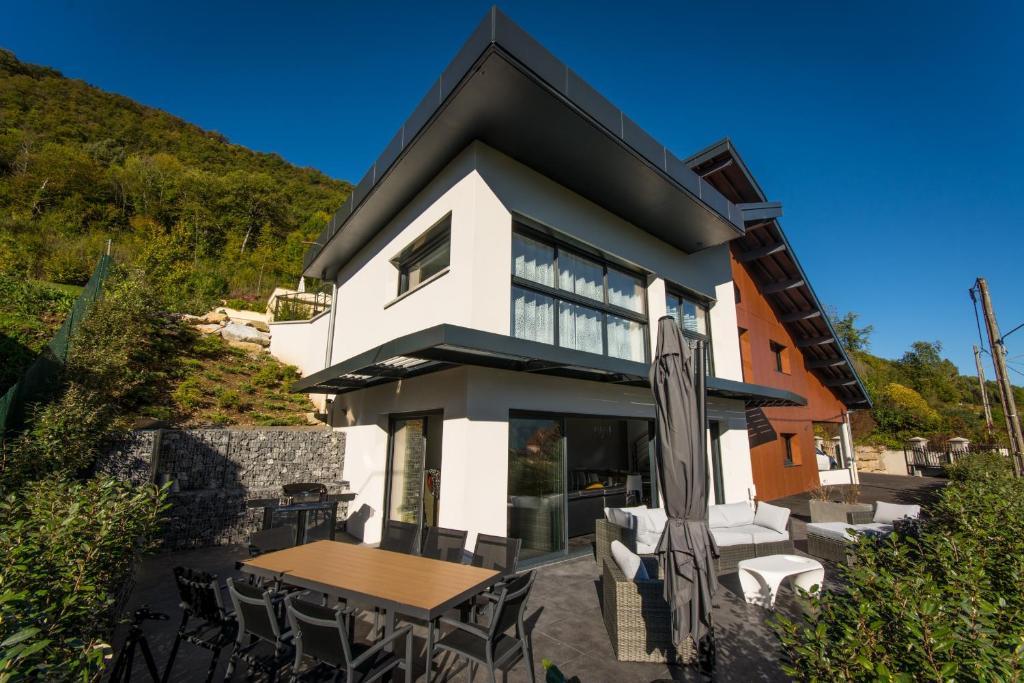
x=214, y=317
x=187, y=317
x=211, y=328
x=243, y=333
x=246, y=346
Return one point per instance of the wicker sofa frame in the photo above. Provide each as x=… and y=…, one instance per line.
x=832, y=549
x=638, y=619
x=729, y=556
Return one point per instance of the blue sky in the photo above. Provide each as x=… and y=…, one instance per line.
x=891, y=131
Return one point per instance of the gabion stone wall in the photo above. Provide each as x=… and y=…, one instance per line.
x=216, y=470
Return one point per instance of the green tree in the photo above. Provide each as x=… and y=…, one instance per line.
x=852, y=338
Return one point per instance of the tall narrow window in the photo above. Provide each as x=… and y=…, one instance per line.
x=745, y=359
x=779, y=354
x=692, y=317
x=427, y=257
x=575, y=300
x=792, y=455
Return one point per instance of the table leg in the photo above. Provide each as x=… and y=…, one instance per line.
x=300, y=527
x=810, y=579
x=430, y=650
x=756, y=588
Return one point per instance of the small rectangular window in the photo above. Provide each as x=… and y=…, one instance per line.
x=792, y=454
x=781, y=361
x=426, y=259
x=692, y=317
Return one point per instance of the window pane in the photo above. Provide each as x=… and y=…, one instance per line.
x=533, y=260
x=625, y=291
x=536, y=485
x=672, y=306
x=580, y=275
x=579, y=327
x=533, y=316
x=625, y=339
x=424, y=266
x=689, y=319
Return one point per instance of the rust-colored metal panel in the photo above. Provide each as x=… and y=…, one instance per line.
x=762, y=328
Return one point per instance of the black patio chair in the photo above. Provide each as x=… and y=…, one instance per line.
x=401, y=537
x=325, y=635
x=490, y=644
x=259, y=623
x=201, y=600
x=496, y=552
x=445, y=544
x=271, y=540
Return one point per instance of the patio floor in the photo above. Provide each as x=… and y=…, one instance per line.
x=564, y=611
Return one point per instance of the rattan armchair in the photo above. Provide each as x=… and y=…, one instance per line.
x=638, y=619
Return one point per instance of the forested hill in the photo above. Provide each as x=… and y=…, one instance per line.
x=207, y=219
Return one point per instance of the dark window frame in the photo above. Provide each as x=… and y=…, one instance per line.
x=779, y=350
x=603, y=307
x=681, y=294
x=425, y=245
x=789, y=460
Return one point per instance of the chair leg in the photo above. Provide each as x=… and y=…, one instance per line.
x=528, y=660
x=209, y=671
x=232, y=662
x=173, y=655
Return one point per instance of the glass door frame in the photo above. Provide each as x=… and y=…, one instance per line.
x=390, y=454
x=564, y=553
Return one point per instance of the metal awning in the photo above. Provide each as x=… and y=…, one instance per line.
x=506, y=90
x=446, y=346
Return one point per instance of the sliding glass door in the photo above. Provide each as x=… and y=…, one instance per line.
x=536, y=485
x=414, y=469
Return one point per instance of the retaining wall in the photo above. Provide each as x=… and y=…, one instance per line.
x=214, y=471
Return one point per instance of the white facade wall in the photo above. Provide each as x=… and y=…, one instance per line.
x=484, y=190
x=302, y=343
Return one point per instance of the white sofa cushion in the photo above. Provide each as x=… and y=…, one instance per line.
x=887, y=513
x=650, y=523
x=730, y=515
x=762, y=534
x=727, y=536
x=841, y=531
x=629, y=562
x=771, y=517
x=624, y=517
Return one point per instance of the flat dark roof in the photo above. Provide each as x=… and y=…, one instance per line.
x=506, y=90
x=447, y=346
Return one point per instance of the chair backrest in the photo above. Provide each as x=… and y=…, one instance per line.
x=320, y=633
x=269, y=540
x=254, y=611
x=496, y=552
x=511, y=605
x=445, y=544
x=401, y=537
x=200, y=594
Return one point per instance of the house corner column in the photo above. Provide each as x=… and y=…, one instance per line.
x=846, y=437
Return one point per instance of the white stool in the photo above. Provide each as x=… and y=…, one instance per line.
x=760, y=577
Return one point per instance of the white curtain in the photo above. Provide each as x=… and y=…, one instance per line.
x=625, y=339
x=579, y=328
x=533, y=316
x=532, y=260
x=580, y=275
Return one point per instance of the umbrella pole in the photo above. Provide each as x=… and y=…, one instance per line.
x=706, y=650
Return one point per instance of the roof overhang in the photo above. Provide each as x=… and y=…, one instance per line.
x=769, y=257
x=506, y=90
x=447, y=346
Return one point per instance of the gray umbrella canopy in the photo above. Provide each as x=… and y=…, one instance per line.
x=687, y=549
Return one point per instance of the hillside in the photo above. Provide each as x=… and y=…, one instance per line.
x=918, y=394
x=207, y=219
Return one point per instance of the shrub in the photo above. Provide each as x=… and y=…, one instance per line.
x=68, y=550
x=945, y=602
x=900, y=411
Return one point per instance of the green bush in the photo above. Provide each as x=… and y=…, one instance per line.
x=69, y=549
x=944, y=601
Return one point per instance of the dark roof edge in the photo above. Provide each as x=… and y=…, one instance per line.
x=496, y=30
x=726, y=146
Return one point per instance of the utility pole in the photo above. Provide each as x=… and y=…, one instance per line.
x=989, y=426
x=1005, y=388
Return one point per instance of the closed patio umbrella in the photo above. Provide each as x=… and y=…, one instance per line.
x=687, y=549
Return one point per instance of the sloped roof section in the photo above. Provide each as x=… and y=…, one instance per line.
x=769, y=257
x=506, y=90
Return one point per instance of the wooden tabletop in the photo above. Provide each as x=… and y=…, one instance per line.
x=425, y=585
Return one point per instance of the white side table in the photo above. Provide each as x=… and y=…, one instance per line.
x=760, y=577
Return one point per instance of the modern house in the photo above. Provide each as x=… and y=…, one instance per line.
x=498, y=275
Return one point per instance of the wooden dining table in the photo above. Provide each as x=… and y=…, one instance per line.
x=397, y=583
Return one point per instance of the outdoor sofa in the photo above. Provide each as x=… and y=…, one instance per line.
x=831, y=540
x=740, y=532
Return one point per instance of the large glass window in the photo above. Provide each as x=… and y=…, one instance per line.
x=694, y=320
x=600, y=308
x=536, y=485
